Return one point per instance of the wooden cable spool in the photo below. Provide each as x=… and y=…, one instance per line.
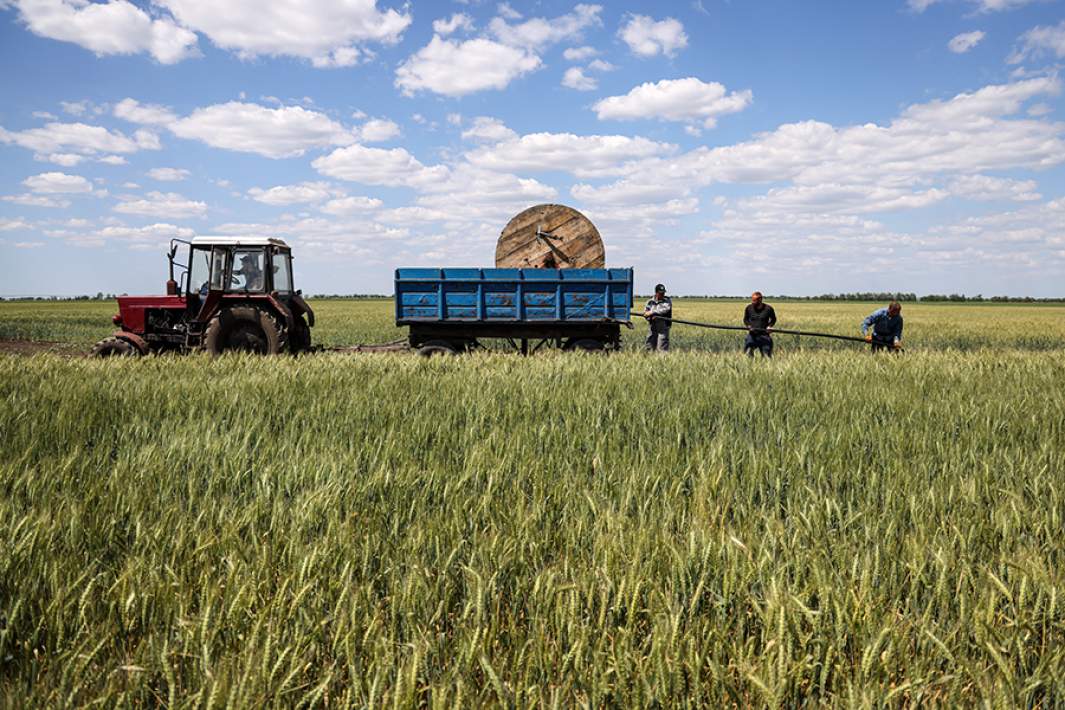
x=550, y=237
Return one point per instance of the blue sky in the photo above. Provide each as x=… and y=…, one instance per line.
x=720, y=146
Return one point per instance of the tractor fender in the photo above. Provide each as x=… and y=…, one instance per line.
x=282, y=310
x=133, y=339
x=298, y=300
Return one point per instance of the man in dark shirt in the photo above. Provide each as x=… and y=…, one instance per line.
x=759, y=317
x=659, y=307
x=886, y=324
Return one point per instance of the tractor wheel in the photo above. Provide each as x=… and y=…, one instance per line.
x=299, y=340
x=114, y=347
x=244, y=329
x=584, y=345
x=433, y=348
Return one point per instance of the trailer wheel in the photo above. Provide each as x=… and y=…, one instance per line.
x=244, y=329
x=114, y=347
x=587, y=345
x=432, y=348
x=300, y=339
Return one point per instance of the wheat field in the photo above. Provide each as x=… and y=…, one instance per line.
x=694, y=529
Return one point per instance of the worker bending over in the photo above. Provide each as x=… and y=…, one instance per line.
x=759, y=317
x=886, y=324
x=658, y=308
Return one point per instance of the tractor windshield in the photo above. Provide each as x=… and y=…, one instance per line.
x=247, y=270
x=282, y=271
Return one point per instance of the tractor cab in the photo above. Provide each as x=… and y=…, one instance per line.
x=232, y=293
x=237, y=266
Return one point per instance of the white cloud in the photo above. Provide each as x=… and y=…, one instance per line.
x=78, y=138
x=159, y=233
x=575, y=78
x=488, y=129
x=112, y=27
x=57, y=183
x=909, y=162
x=168, y=174
x=472, y=193
x=1039, y=41
x=981, y=5
x=136, y=112
x=44, y=115
x=456, y=69
x=647, y=38
x=600, y=65
x=579, y=54
x=346, y=206
x=67, y=160
x=457, y=21
x=112, y=160
x=987, y=188
x=960, y=44
x=29, y=200
x=687, y=99
x=302, y=193
x=10, y=225
x=505, y=10
x=377, y=166
x=378, y=129
x=1000, y=5
x=539, y=32
x=28, y=245
x=336, y=58
x=275, y=133
x=598, y=155
x=75, y=108
x=326, y=32
x=162, y=204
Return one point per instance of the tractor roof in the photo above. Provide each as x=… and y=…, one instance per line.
x=245, y=241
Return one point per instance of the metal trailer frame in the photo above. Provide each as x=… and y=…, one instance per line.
x=564, y=308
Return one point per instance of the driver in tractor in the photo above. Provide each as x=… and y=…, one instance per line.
x=250, y=271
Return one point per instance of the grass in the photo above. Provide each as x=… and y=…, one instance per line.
x=629, y=530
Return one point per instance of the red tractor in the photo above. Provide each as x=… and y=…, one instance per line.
x=234, y=294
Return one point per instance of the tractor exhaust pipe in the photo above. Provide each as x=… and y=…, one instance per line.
x=171, y=284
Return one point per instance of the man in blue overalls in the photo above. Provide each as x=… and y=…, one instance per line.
x=886, y=324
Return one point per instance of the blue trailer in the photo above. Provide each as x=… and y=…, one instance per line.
x=453, y=310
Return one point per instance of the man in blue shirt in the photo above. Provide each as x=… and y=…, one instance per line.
x=886, y=324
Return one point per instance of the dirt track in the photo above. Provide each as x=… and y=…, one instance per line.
x=32, y=347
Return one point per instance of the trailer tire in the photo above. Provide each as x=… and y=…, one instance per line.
x=432, y=348
x=244, y=329
x=114, y=347
x=585, y=345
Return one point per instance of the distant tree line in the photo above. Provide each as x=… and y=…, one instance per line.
x=100, y=296
x=931, y=298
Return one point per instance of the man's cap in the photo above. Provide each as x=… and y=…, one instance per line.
x=660, y=288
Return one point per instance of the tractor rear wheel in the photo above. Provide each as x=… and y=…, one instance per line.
x=244, y=329
x=114, y=347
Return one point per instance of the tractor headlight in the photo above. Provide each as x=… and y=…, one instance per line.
x=117, y=319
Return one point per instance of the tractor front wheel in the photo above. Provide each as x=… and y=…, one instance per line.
x=244, y=329
x=114, y=347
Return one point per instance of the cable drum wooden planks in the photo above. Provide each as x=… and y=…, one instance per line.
x=550, y=237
